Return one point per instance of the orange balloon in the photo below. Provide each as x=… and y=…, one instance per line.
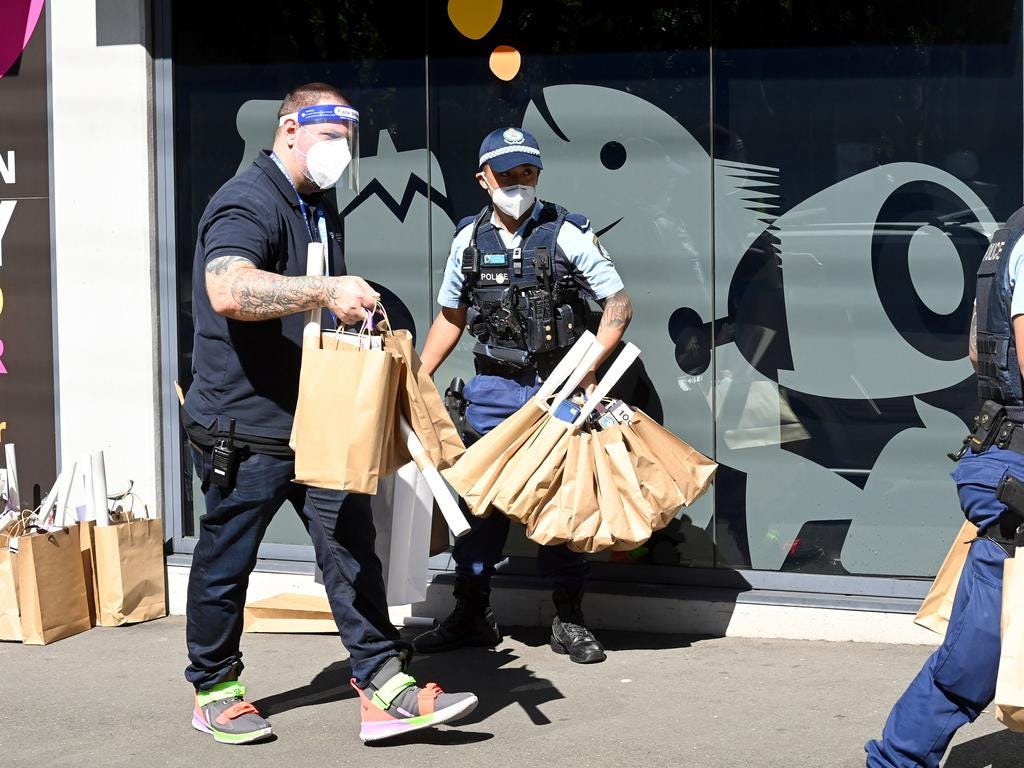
x=474, y=18
x=505, y=62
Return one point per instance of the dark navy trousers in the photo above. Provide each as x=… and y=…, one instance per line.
x=491, y=400
x=341, y=528
x=959, y=680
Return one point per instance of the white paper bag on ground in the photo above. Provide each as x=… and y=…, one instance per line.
x=402, y=511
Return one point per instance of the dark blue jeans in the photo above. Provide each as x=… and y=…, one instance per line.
x=959, y=680
x=491, y=400
x=341, y=528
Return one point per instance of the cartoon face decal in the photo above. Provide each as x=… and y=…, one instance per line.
x=753, y=321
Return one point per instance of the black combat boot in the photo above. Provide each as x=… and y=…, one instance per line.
x=568, y=632
x=471, y=623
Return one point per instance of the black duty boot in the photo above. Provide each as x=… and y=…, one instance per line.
x=471, y=623
x=568, y=632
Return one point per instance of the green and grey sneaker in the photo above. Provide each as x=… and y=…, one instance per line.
x=392, y=704
x=223, y=712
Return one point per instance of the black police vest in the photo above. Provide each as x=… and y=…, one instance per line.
x=525, y=308
x=999, y=374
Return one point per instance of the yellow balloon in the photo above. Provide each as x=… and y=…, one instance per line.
x=1, y=301
x=505, y=62
x=474, y=18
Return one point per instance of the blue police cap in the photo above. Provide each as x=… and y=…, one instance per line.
x=508, y=147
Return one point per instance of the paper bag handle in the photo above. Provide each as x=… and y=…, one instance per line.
x=626, y=358
x=566, y=365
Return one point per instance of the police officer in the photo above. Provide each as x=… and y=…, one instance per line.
x=518, y=278
x=958, y=681
x=249, y=293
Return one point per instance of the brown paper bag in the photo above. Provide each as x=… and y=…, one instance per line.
x=535, y=469
x=85, y=544
x=635, y=525
x=10, y=615
x=574, y=499
x=440, y=535
x=692, y=470
x=289, y=612
x=485, y=461
x=51, y=586
x=1009, y=698
x=345, y=414
x=589, y=523
x=129, y=565
x=938, y=603
x=659, y=488
x=421, y=404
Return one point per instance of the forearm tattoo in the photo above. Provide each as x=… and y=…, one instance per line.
x=264, y=295
x=618, y=311
x=261, y=295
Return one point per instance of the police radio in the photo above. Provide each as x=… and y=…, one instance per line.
x=225, y=460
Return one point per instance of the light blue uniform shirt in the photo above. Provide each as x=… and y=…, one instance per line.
x=1016, y=261
x=588, y=258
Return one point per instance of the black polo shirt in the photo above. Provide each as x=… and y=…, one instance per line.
x=249, y=371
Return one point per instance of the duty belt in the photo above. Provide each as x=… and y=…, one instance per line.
x=993, y=426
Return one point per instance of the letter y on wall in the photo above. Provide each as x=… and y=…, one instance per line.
x=6, y=211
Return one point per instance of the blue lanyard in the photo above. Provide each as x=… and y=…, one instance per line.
x=321, y=224
x=307, y=217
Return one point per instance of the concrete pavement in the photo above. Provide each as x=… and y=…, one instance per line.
x=116, y=697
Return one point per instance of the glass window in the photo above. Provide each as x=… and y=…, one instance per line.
x=796, y=196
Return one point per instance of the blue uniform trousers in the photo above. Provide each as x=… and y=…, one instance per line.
x=492, y=399
x=958, y=681
x=341, y=528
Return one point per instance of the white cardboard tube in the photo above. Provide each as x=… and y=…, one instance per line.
x=566, y=365
x=442, y=495
x=64, y=483
x=615, y=372
x=98, y=473
x=593, y=354
x=314, y=268
x=13, y=497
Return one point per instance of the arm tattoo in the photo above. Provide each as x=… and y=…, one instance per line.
x=618, y=311
x=262, y=295
x=221, y=264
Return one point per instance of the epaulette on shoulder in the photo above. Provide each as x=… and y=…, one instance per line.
x=463, y=223
x=578, y=220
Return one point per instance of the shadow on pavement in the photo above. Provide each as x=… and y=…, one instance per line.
x=330, y=684
x=1001, y=749
x=494, y=676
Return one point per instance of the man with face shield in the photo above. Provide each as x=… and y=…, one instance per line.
x=250, y=293
x=519, y=268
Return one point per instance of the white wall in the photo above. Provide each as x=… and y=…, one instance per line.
x=105, y=241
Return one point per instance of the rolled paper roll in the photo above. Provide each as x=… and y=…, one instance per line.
x=98, y=476
x=13, y=497
x=442, y=494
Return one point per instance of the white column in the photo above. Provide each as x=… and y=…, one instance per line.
x=106, y=258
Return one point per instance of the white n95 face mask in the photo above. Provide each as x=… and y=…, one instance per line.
x=326, y=161
x=514, y=200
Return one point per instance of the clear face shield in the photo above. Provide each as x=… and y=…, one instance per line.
x=333, y=160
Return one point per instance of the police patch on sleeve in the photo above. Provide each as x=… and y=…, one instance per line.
x=601, y=249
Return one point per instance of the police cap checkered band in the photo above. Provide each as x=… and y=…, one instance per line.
x=506, y=148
